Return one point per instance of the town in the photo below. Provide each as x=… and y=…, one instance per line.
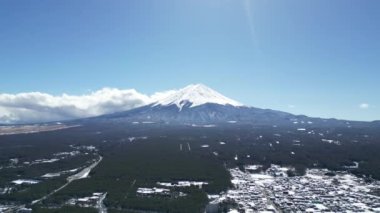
x=319, y=190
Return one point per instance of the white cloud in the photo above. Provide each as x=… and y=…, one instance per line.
x=291, y=106
x=37, y=107
x=364, y=106
x=161, y=95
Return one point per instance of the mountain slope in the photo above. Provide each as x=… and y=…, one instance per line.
x=202, y=114
x=198, y=104
x=221, y=114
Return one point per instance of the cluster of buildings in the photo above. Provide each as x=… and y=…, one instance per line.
x=163, y=192
x=247, y=195
x=12, y=209
x=166, y=191
x=72, y=153
x=15, y=162
x=153, y=191
x=25, y=181
x=94, y=201
x=183, y=184
x=85, y=148
x=318, y=191
x=57, y=174
x=5, y=190
x=18, y=184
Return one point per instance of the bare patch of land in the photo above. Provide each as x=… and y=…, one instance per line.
x=29, y=129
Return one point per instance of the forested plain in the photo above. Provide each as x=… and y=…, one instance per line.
x=141, y=155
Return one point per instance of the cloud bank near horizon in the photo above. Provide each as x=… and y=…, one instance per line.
x=35, y=107
x=42, y=107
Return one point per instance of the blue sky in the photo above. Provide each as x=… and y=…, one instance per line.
x=314, y=57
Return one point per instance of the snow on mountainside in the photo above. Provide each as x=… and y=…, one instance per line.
x=195, y=95
x=198, y=104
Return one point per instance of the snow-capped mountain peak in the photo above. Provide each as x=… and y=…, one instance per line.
x=196, y=95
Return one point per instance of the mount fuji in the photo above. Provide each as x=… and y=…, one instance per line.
x=198, y=104
x=196, y=95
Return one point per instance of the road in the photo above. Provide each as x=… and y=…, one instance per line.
x=101, y=207
x=269, y=201
x=80, y=175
